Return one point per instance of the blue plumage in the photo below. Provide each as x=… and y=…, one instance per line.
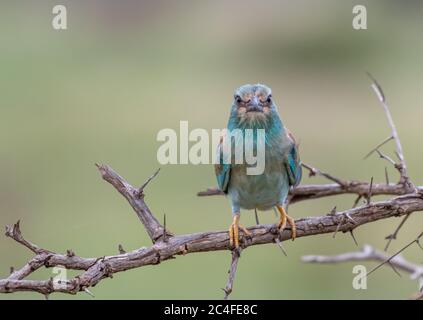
x=253, y=108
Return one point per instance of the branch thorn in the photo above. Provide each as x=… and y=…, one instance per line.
x=369, y=194
x=256, y=216
x=353, y=236
x=279, y=243
x=89, y=292
x=70, y=253
x=141, y=189
x=121, y=250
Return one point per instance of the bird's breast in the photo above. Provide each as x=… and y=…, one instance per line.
x=260, y=191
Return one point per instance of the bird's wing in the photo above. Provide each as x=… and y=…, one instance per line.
x=292, y=162
x=222, y=170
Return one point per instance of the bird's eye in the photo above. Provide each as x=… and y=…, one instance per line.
x=238, y=99
x=269, y=99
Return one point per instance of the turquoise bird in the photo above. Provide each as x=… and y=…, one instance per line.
x=253, y=108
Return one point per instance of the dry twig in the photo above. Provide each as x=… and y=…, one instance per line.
x=231, y=272
x=368, y=253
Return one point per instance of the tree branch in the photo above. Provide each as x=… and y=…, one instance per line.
x=135, y=198
x=402, y=166
x=315, y=191
x=232, y=272
x=97, y=269
x=375, y=149
x=368, y=253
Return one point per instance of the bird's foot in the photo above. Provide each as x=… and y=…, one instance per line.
x=234, y=232
x=284, y=218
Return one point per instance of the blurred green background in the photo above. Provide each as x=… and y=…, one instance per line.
x=101, y=90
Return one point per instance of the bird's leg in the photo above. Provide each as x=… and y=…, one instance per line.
x=284, y=218
x=234, y=231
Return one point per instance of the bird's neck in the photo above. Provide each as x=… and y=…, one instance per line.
x=272, y=124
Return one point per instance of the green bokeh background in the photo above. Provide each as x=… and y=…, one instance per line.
x=101, y=90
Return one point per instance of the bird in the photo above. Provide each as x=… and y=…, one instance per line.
x=253, y=108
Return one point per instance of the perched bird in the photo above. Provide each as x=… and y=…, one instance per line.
x=253, y=108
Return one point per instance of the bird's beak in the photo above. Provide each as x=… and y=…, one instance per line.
x=254, y=105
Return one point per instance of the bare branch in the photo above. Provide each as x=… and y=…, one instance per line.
x=389, y=259
x=135, y=198
x=313, y=172
x=393, y=236
x=14, y=232
x=368, y=253
x=32, y=265
x=378, y=147
x=97, y=269
x=402, y=167
x=315, y=191
x=387, y=158
x=232, y=272
x=210, y=192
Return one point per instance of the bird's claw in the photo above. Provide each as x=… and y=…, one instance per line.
x=284, y=218
x=234, y=232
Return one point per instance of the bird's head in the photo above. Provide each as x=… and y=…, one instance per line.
x=253, y=105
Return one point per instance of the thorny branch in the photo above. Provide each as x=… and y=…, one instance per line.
x=368, y=253
x=401, y=166
x=231, y=272
x=316, y=191
x=135, y=198
x=167, y=246
x=97, y=269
